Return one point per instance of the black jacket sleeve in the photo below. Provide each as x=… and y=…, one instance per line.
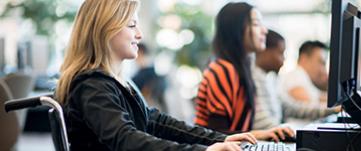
x=166, y=127
x=103, y=113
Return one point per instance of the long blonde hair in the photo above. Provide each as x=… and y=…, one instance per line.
x=96, y=23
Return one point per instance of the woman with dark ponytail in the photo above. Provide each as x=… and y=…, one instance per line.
x=226, y=95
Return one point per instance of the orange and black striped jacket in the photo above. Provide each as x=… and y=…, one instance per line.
x=220, y=102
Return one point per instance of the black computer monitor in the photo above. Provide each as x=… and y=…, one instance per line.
x=344, y=78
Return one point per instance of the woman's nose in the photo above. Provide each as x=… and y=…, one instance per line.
x=139, y=34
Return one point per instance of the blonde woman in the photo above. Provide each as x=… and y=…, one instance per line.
x=103, y=112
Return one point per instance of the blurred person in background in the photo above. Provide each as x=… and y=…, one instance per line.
x=148, y=81
x=271, y=110
x=227, y=94
x=300, y=82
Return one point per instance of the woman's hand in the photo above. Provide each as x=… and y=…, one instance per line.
x=241, y=137
x=225, y=146
x=275, y=133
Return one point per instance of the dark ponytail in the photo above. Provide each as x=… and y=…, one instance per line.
x=228, y=43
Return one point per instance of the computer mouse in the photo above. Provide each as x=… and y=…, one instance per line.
x=289, y=139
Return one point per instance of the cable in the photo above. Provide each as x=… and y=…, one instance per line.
x=353, y=102
x=345, y=89
x=346, y=130
x=350, y=145
x=355, y=138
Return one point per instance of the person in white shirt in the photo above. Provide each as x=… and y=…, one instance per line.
x=264, y=72
x=299, y=84
x=271, y=110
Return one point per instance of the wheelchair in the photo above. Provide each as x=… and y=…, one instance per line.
x=56, y=118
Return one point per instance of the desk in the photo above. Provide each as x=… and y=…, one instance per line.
x=323, y=135
x=329, y=136
x=297, y=124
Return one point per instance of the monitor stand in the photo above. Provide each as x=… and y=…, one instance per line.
x=353, y=107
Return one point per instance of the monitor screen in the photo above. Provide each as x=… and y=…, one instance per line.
x=345, y=64
x=344, y=49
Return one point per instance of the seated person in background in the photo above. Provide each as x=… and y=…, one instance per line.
x=148, y=81
x=103, y=112
x=270, y=109
x=299, y=84
x=226, y=95
x=322, y=81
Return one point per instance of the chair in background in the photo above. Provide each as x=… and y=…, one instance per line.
x=20, y=84
x=57, y=123
x=9, y=127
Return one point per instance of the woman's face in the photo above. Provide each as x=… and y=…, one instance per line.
x=255, y=34
x=124, y=43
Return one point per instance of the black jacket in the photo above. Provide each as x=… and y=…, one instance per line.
x=101, y=114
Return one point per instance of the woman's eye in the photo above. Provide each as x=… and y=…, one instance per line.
x=132, y=26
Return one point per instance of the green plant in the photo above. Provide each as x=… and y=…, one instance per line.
x=43, y=13
x=195, y=54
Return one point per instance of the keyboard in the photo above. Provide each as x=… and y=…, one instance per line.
x=265, y=146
